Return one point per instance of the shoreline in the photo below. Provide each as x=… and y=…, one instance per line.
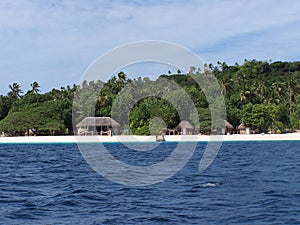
x=146, y=139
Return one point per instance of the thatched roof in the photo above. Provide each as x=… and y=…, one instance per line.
x=185, y=124
x=242, y=126
x=228, y=125
x=98, y=121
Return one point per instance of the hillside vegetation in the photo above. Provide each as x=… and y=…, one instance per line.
x=263, y=95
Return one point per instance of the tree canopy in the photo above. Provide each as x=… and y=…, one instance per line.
x=264, y=95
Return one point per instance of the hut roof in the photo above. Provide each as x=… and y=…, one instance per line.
x=98, y=121
x=242, y=126
x=185, y=124
x=228, y=125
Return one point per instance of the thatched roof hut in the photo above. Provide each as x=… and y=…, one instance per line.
x=185, y=125
x=228, y=128
x=98, y=121
x=242, y=126
x=97, y=125
x=228, y=125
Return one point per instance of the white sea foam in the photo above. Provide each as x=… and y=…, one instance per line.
x=210, y=185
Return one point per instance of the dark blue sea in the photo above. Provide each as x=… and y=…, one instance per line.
x=248, y=183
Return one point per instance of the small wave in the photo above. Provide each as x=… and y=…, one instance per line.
x=210, y=185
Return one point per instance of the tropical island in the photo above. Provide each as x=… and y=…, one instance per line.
x=261, y=95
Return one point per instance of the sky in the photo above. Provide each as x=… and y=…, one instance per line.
x=53, y=42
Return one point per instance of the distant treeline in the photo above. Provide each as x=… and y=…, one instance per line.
x=263, y=95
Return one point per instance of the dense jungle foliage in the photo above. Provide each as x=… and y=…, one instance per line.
x=264, y=95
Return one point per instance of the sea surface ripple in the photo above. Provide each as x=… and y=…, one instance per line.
x=248, y=183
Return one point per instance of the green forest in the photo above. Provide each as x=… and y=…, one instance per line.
x=263, y=95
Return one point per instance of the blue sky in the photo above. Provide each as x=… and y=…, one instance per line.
x=53, y=42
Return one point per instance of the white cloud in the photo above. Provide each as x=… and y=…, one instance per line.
x=60, y=38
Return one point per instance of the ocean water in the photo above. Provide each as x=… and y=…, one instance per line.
x=248, y=183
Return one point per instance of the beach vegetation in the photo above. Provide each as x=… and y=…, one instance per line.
x=264, y=95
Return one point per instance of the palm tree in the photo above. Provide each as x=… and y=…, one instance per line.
x=122, y=77
x=224, y=66
x=225, y=84
x=111, y=83
x=15, y=90
x=35, y=87
x=277, y=91
x=121, y=81
x=104, y=97
x=293, y=88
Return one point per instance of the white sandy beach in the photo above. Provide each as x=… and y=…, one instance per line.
x=134, y=138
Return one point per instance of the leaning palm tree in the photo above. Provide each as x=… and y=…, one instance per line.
x=16, y=90
x=35, y=87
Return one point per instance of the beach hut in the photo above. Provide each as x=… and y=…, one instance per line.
x=98, y=125
x=242, y=128
x=185, y=127
x=224, y=128
x=228, y=128
x=172, y=132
